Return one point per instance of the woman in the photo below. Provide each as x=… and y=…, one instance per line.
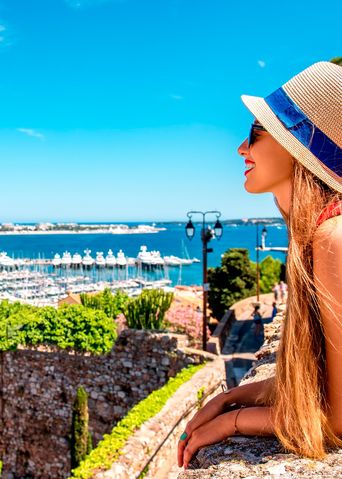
x=294, y=151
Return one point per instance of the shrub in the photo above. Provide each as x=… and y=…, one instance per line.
x=70, y=327
x=111, y=304
x=147, y=311
x=108, y=450
x=185, y=320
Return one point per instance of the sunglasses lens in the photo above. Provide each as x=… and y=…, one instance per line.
x=250, y=137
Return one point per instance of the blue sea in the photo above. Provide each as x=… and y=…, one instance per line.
x=172, y=241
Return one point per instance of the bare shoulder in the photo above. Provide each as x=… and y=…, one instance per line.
x=327, y=256
x=328, y=237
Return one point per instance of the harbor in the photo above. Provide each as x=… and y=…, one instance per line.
x=42, y=269
x=43, y=282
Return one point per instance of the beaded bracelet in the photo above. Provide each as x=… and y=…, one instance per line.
x=236, y=430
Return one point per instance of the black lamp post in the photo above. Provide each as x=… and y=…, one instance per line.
x=206, y=235
x=258, y=248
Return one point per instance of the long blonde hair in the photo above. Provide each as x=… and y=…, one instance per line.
x=298, y=394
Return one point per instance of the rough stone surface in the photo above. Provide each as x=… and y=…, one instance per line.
x=37, y=390
x=260, y=457
x=155, y=443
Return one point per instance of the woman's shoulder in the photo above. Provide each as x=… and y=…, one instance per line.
x=328, y=238
x=332, y=210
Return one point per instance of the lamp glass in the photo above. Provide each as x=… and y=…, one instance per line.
x=218, y=229
x=190, y=230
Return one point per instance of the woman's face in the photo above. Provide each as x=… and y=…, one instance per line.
x=272, y=165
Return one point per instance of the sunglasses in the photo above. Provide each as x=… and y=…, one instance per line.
x=251, y=136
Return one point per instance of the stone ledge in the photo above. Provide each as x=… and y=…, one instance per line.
x=260, y=457
x=155, y=443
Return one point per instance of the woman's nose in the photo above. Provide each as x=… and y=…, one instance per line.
x=243, y=148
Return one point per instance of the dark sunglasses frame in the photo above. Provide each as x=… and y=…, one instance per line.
x=251, y=136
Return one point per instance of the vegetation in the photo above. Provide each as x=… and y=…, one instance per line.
x=235, y=279
x=111, y=304
x=270, y=272
x=108, y=450
x=147, y=311
x=70, y=327
x=337, y=60
x=184, y=319
x=81, y=443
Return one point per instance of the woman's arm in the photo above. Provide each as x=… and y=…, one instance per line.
x=248, y=421
x=246, y=395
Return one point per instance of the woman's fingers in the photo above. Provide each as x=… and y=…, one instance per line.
x=182, y=444
x=189, y=451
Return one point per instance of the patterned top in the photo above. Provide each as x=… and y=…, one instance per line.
x=334, y=209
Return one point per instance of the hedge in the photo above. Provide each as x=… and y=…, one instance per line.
x=108, y=450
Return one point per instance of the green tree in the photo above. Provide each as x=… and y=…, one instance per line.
x=147, y=311
x=80, y=438
x=270, y=269
x=337, y=60
x=235, y=279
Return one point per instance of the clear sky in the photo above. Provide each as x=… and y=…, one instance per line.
x=123, y=110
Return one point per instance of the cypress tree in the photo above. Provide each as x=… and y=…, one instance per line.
x=80, y=437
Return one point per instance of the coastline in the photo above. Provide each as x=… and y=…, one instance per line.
x=68, y=232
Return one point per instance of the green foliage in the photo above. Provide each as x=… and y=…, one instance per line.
x=337, y=60
x=108, y=450
x=70, y=327
x=200, y=397
x=111, y=304
x=147, y=311
x=1, y=467
x=79, y=428
x=270, y=269
x=234, y=280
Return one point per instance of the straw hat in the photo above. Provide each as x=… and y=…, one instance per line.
x=305, y=117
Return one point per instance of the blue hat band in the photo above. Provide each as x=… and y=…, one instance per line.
x=301, y=127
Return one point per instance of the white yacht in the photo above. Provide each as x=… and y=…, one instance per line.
x=149, y=258
x=100, y=261
x=76, y=260
x=110, y=259
x=56, y=260
x=121, y=259
x=87, y=260
x=6, y=261
x=66, y=259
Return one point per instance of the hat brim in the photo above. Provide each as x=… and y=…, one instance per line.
x=263, y=113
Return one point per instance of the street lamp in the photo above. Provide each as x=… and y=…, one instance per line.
x=258, y=248
x=206, y=235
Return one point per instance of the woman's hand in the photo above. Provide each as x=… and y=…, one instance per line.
x=211, y=432
x=210, y=411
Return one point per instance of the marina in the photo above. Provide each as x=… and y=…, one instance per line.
x=42, y=269
x=43, y=282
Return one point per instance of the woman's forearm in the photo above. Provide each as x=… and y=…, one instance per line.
x=250, y=421
x=247, y=394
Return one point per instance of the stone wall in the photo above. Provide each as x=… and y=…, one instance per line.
x=37, y=390
x=154, y=444
x=260, y=457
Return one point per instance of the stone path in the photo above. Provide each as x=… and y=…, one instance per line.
x=242, y=343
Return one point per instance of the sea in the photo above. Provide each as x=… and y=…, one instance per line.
x=171, y=241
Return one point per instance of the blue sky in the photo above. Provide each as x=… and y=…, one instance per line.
x=123, y=110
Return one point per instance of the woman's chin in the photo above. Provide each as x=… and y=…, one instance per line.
x=253, y=188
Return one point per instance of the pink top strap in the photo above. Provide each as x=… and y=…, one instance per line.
x=334, y=209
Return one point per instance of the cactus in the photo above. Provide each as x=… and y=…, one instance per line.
x=147, y=311
x=80, y=437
